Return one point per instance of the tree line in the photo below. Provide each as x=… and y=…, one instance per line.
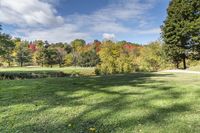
x=107, y=56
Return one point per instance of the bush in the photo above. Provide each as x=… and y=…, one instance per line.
x=114, y=59
x=68, y=60
x=97, y=71
x=29, y=75
x=152, y=57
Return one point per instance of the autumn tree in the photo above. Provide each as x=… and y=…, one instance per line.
x=39, y=54
x=152, y=57
x=23, y=54
x=76, y=46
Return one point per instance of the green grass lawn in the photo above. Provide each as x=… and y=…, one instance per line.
x=195, y=68
x=139, y=102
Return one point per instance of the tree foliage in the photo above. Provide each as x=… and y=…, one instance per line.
x=6, y=48
x=152, y=57
x=181, y=29
x=23, y=54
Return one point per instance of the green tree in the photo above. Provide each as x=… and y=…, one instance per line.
x=89, y=58
x=114, y=58
x=181, y=29
x=77, y=44
x=61, y=53
x=152, y=57
x=39, y=54
x=108, y=54
x=173, y=54
x=68, y=59
x=50, y=56
x=68, y=48
x=124, y=63
x=23, y=54
x=6, y=48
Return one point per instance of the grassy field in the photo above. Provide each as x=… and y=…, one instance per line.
x=195, y=68
x=139, y=102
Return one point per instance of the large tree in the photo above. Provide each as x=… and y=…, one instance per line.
x=89, y=58
x=23, y=53
x=6, y=47
x=181, y=29
x=39, y=54
x=76, y=46
x=50, y=55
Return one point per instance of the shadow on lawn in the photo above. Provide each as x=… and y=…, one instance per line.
x=109, y=113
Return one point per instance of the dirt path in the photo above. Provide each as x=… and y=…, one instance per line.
x=181, y=71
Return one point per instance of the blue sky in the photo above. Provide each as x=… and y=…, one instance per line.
x=65, y=20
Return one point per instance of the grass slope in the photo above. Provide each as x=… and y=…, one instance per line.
x=140, y=102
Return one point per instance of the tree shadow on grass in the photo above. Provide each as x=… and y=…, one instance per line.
x=111, y=103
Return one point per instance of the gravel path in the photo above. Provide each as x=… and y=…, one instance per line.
x=181, y=71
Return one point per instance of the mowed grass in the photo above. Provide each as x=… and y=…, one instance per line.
x=195, y=68
x=139, y=102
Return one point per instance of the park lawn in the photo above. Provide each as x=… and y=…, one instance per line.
x=195, y=68
x=139, y=102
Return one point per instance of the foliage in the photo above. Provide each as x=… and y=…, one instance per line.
x=181, y=30
x=108, y=55
x=114, y=59
x=50, y=56
x=30, y=75
x=152, y=57
x=88, y=58
x=6, y=48
x=23, y=54
x=39, y=54
x=77, y=44
x=61, y=56
x=68, y=60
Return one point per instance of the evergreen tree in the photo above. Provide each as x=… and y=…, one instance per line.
x=6, y=48
x=181, y=30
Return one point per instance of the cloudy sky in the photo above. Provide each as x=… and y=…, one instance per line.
x=65, y=20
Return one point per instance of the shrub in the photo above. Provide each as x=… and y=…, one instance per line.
x=29, y=75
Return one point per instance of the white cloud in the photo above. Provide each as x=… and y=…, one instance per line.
x=28, y=13
x=108, y=36
x=109, y=27
x=111, y=17
x=38, y=19
x=64, y=33
x=149, y=31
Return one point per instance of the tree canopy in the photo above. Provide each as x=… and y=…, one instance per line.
x=181, y=31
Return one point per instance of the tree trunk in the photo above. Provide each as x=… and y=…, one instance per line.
x=9, y=64
x=177, y=65
x=21, y=64
x=184, y=62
